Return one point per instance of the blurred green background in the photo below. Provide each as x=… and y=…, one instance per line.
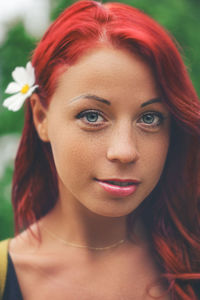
x=179, y=17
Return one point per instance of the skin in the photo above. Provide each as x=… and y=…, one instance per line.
x=123, y=145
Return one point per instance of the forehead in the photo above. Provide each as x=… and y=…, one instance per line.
x=110, y=73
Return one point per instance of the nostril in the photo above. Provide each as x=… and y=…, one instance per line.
x=123, y=156
x=123, y=144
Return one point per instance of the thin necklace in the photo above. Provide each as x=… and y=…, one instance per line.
x=82, y=246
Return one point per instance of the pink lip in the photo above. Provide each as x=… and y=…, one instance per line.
x=120, y=191
x=121, y=180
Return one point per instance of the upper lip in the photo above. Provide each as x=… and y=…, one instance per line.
x=120, y=180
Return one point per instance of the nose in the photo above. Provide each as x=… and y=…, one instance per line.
x=122, y=145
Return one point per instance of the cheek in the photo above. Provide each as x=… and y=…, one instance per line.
x=74, y=154
x=155, y=156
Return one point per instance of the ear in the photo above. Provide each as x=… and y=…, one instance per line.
x=39, y=117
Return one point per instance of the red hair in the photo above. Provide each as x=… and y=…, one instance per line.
x=171, y=212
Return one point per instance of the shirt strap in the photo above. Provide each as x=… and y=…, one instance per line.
x=3, y=265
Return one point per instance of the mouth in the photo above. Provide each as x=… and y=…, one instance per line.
x=119, y=187
x=120, y=182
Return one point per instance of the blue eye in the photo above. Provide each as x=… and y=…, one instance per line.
x=152, y=119
x=91, y=117
x=148, y=118
x=95, y=118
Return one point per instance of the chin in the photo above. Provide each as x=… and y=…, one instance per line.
x=112, y=212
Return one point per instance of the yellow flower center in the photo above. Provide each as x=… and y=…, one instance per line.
x=25, y=89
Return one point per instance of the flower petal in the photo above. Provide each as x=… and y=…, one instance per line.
x=14, y=102
x=30, y=74
x=12, y=88
x=30, y=91
x=20, y=76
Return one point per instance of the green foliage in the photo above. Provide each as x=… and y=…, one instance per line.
x=6, y=213
x=14, y=52
x=59, y=6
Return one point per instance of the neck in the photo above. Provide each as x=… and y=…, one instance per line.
x=81, y=226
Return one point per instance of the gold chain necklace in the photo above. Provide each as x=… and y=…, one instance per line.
x=82, y=246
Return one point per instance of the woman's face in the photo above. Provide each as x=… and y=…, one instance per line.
x=107, y=121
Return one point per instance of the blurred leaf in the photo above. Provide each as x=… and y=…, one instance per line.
x=59, y=6
x=6, y=212
x=16, y=51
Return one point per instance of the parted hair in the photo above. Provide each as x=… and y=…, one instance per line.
x=171, y=213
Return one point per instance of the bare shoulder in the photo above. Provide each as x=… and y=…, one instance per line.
x=25, y=241
x=29, y=261
x=123, y=273
x=22, y=250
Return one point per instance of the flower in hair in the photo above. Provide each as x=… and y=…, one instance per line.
x=22, y=87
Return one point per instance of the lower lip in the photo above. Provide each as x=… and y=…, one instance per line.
x=117, y=190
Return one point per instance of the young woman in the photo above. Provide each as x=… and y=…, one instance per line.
x=106, y=179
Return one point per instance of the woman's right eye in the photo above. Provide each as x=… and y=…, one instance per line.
x=91, y=117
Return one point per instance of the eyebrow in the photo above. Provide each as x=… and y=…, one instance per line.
x=100, y=99
x=154, y=100
x=92, y=97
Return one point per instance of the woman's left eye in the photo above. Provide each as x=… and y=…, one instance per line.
x=91, y=117
x=152, y=119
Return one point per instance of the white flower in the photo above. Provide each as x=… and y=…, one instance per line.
x=23, y=87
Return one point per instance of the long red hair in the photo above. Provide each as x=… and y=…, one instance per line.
x=172, y=211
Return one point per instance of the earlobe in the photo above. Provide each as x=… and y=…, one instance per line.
x=39, y=117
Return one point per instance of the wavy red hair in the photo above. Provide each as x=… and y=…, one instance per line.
x=172, y=211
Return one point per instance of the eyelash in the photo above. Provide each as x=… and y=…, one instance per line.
x=159, y=115
x=84, y=113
